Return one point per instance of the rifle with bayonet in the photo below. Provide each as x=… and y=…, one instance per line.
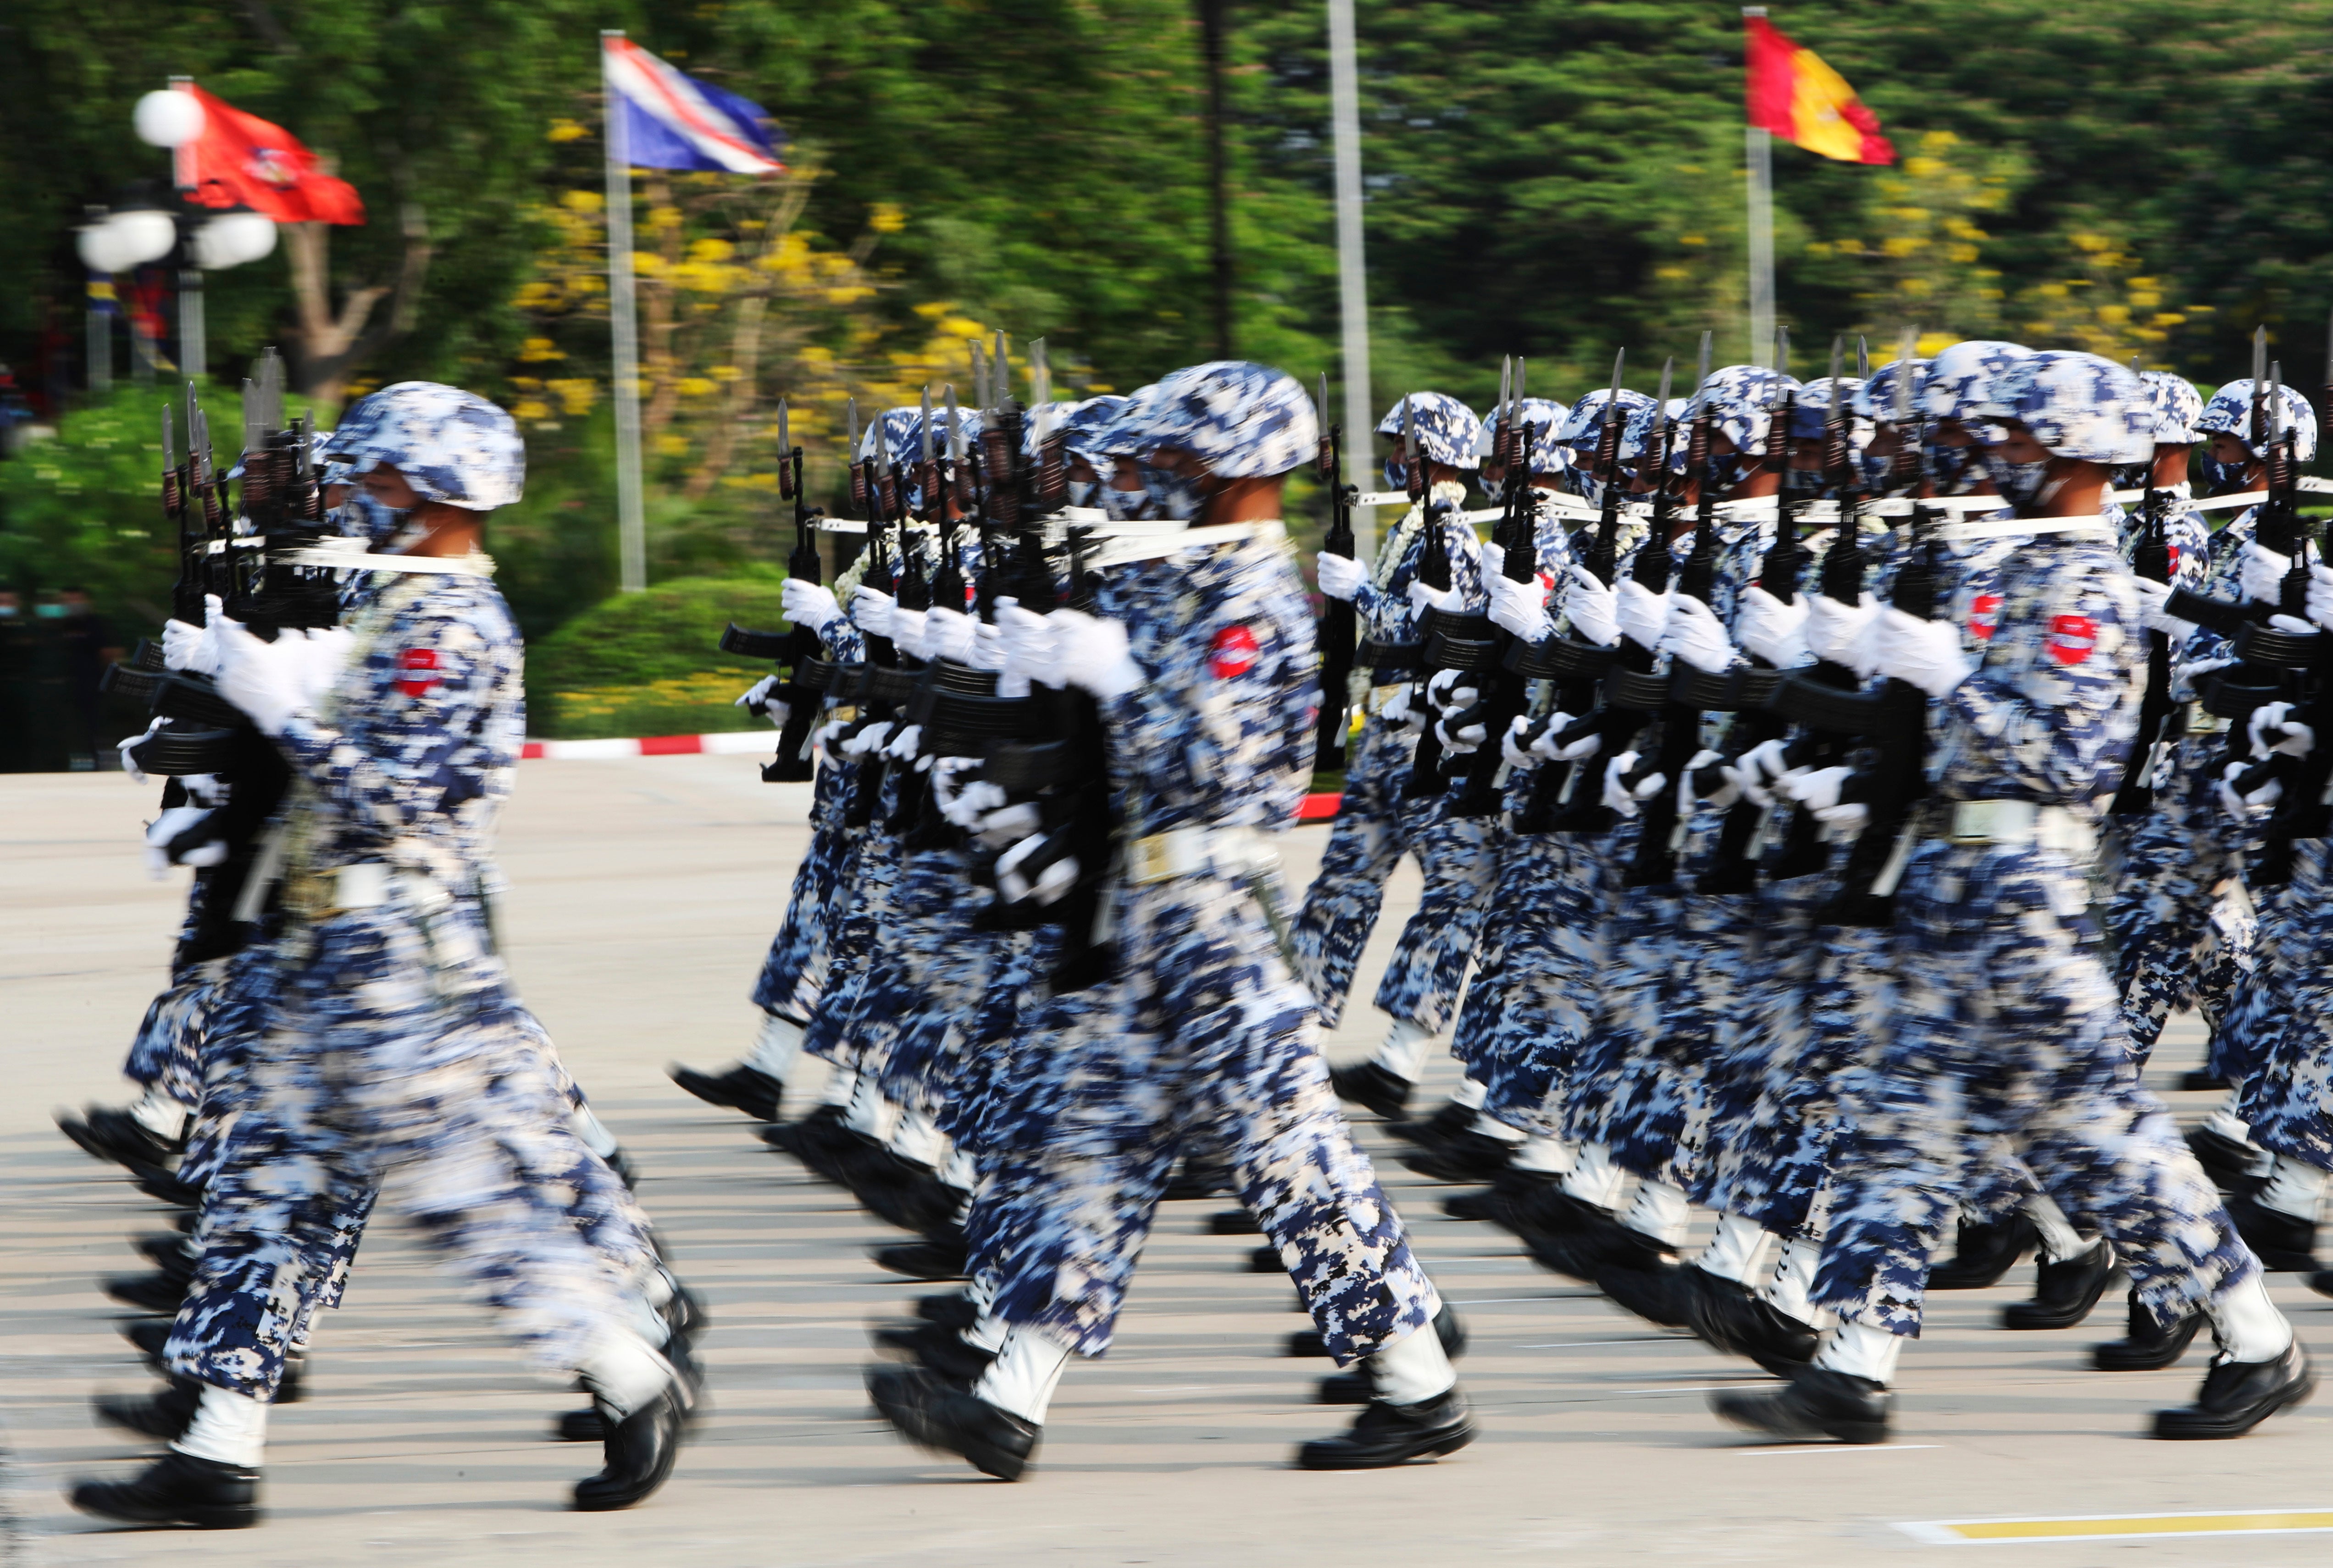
x=1434, y=571
x=1506, y=691
x=797, y=648
x=2150, y=558
x=1741, y=838
x=1335, y=633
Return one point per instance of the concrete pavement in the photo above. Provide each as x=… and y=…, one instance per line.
x=645, y=892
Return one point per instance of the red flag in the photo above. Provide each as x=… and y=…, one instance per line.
x=1800, y=99
x=241, y=159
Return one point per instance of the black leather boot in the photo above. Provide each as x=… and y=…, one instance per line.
x=2204, y=1081
x=2225, y=1160
x=150, y=1293
x=953, y=1311
x=1234, y=1222
x=1652, y=1287
x=1466, y=1156
x=1370, y=1085
x=119, y=1137
x=2238, y=1396
x=584, y=1425
x=1735, y=1319
x=1384, y=1434
x=740, y=1088
x=1448, y=1121
x=1579, y=1253
x=2286, y=1243
x=926, y=1260
x=927, y=1411
x=1347, y=1389
x=1448, y=1327
x=639, y=1452
x=1815, y=1405
x=1196, y=1177
x=164, y=1187
x=2067, y=1290
x=944, y=1351
x=1984, y=1253
x=167, y=1251
x=166, y=1415
x=178, y=1490
x=2147, y=1346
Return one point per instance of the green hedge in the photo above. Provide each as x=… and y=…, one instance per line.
x=650, y=663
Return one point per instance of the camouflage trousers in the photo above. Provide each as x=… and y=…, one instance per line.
x=167, y=1054
x=1526, y=1007
x=394, y=1050
x=868, y=884
x=1756, y=976
x=2262, y=1008
x=2006, y=1033
x=1374, y=827
x=1204, y=1039
x=801, y=954
x=2288, y=1098
x=2169, y=952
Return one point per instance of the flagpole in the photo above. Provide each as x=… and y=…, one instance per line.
x=1761, y=151
x=623, y=322
x=1352, y=275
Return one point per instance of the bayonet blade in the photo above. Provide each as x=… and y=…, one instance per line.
x=1904, y=377
x=1781, y=351
x=882, y=448
x=927, y=427
x=1661, y=403
x=851, y=415
x=954, y=428
x=1701, y=371
x=1041, y=381
x=1838, y=350
x=785, y=434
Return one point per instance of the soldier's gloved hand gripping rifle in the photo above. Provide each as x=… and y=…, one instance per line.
x=1508, y=693
x=1336, y=625
x=799, y=647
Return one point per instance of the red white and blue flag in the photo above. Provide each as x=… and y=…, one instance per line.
x=673, y=121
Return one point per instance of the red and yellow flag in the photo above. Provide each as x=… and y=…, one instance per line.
x=1796, y=96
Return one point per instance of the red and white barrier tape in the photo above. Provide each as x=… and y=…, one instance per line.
x=1316, y=808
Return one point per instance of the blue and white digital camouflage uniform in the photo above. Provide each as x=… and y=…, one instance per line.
x=1204, y=1035
x=2006, y=1026
x=386, y=1048
x=1379, y=821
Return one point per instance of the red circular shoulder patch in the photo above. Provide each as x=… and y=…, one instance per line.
x=1984, y=616
x=1234, y=652
x=418, y=665
x=2073, y=638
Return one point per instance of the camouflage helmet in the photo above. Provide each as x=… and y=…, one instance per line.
x=2230, y=411
x=1584, y=424
x=1742, y=403
x=1637, y=434
x=1875, y=400
x=2177, y=408
x=1810, y=411
x=451, y=447
x=1242, y=419
x=1957, y=379
x=1083, y=425
x=1446, y=430
x=2078, y=405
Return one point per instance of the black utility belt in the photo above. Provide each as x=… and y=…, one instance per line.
x=1388, y=661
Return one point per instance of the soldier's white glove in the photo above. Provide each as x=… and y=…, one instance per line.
x=1753, y=773
x=206, y=789
x=1512, y=751
x=1000, y=824
x=2273, y=728
x=1839, y=632
x=128, y=748
x=1696, y=635
x=1520, y=608
x=1049, y=883
x=951, y=634
x=760, y=699
x=2320, y=594
x=866, y=741
x=2153, y=599
x=1451, y=692
x=907, y=632
x=188, y=647
x=1398, y=713
x=1726, y=792
x=1617, y=793
x=1447, y=599
x=1340, y=576
x=2260, y=573
x=825, y=737
x=2241, y=806
x=1643, y=614
x=1552, y=745
x=328, y=648
x=172, y=822
x=1027, y=640
x=903, y=745
x=808, y=604
x=871, y=610
x=267, y=681
x=988, y=651
x=962, y=805
x=1815, y=788
x=1086, y=652
x=1592, y=608
x=2193, y=669
x=1927, y=653
x=1771, y=629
